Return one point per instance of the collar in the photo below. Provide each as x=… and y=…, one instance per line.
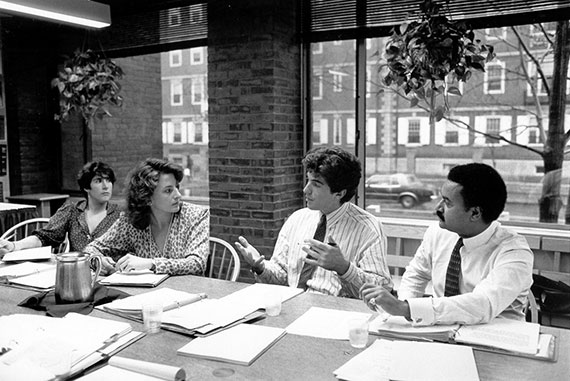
x=481, y=238
x=336, y=214
x=82, y=205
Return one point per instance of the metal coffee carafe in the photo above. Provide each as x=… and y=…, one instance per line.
x=73, y=280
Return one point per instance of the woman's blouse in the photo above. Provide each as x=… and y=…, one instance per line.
x=185, y=251
x=70, y=219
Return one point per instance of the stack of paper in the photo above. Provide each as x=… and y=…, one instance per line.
x=59, y=346
x=241, y=344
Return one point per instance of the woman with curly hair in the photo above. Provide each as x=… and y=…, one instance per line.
x=159, y=231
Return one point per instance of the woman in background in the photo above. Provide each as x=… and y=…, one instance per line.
x=82, y=222
x=159, y=232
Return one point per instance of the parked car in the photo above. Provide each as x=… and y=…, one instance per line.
x=401, y=187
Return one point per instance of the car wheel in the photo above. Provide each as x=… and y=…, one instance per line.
x=407, y=202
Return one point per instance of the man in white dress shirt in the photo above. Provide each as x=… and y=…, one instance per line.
x=351, y=249
x=494, y=263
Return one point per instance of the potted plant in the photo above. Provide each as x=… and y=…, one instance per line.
x=422, y=53
x=88, y=84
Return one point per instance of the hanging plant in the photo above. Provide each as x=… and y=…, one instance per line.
x=88, y=84
x=421, y=54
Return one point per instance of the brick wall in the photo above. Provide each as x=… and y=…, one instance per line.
x=256, y=136
x=132, y=134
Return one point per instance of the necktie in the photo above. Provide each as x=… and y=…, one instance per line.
x=308, y=270
x=453, y=271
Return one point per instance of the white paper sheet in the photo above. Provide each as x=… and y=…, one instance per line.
x=372, y=364
x=420, y=361
x=325, y=323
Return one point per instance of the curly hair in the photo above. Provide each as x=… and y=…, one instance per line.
x=482, y=186
x=339, y=168
x=141, y=183
x=91, y=170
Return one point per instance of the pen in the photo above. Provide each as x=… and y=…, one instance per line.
x=384, y=316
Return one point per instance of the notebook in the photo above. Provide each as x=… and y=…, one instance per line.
x=145, y=278
x=36, y=254
x=241, y=344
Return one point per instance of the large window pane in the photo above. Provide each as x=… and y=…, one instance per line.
x=333, y=90
x=500, y=119
x=185, y=123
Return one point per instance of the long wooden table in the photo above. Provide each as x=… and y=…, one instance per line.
x=294, y=357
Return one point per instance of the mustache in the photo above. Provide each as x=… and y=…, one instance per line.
x=440, y=215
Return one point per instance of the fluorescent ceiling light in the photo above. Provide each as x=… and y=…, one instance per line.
x=77, y=12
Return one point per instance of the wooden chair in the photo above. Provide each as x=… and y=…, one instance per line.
x=223, y=262
x=25, y=228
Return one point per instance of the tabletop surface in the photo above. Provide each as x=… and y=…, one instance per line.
x=39, y=196
x=293, y=357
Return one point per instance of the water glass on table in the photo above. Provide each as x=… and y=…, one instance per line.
x=272, y=302
x=358, y=332
x=152, y=316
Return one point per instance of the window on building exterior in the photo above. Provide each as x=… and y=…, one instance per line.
x=414, y=131
x=196, y=56
x=196, y=13
x=197, y=90
x=451, y=137
x=177, y=132
x=174, y=18
x=198, y=133
x=185, y=126
x=337, y=82
x=175, y=58
x=350, y=131
x=337, y=131
x=495, y=78
x=320, y=131
x=493, y=129
x=176, y=93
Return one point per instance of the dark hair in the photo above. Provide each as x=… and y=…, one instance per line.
x=482, y=187
x=92, y=169
x=339, y=168
x=141, y=183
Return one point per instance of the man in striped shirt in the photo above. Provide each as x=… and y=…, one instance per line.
x=354, y=247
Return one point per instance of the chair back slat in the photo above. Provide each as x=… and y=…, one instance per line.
x=224, y=262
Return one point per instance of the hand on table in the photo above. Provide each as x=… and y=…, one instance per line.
x=6, y=247
x=130, y=262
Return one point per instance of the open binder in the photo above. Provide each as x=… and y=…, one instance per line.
x=505, y=336
x=29, y=275
x=41, y=346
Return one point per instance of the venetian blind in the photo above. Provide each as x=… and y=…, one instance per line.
x=328, y=18
x=156, y=30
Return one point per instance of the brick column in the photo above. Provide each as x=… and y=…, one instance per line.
x=255, y=129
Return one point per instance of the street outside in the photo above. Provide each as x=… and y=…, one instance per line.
x=523, y=212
